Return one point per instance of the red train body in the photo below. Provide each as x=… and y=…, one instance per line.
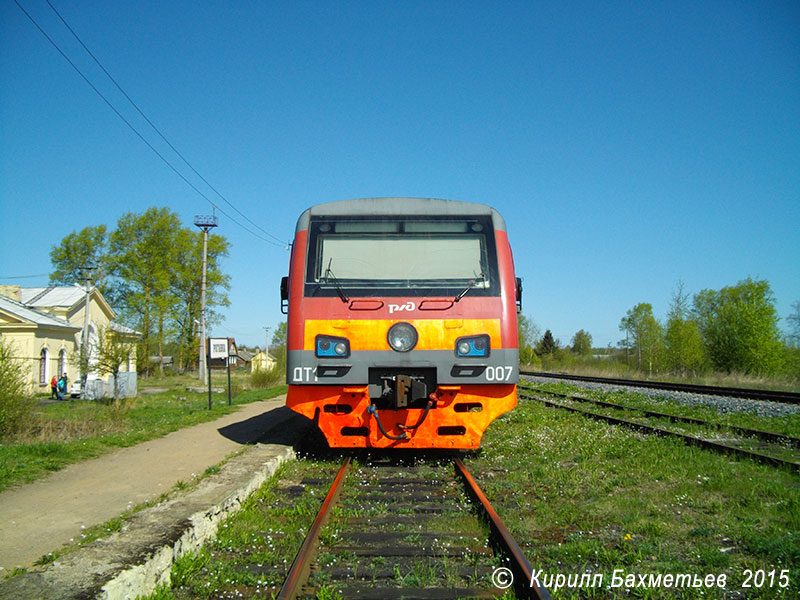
x=402, y=329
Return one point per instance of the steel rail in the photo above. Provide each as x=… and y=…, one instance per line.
x=689, y=439
x=751, y=394
x=298, y=573
x=759, y=433
x=527, y=586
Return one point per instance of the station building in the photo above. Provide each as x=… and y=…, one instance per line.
x=43, y=326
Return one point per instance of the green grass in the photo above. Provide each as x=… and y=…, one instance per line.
x=566, y=362
x=582, y=496
x=255, y=547
x=786, y=424
x=579, y=496
x=68, y=432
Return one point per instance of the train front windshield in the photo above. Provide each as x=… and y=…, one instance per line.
x=401, y=257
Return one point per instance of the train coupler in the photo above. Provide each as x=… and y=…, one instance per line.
x=402, y=390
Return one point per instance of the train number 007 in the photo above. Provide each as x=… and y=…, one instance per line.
x=499, y=373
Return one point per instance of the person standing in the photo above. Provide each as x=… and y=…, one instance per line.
x=53, y=388
x=61, y=387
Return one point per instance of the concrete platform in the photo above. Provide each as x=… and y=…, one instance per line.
x=135, y=560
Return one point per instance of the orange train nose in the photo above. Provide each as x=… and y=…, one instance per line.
x=458, y=419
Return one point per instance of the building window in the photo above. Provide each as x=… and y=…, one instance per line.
x=62, y=362
x=43, y=367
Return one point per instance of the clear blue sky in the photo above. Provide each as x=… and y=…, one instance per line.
x=629, y=145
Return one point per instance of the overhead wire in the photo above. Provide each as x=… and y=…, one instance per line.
x=156, y=129
x=279, y=243
x=3, y=277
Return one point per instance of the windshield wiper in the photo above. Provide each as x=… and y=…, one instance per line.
x=472, y=283
x=329, y=276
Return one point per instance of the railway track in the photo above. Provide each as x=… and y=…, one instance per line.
x=767, y=395
x=762, y=446
x=408, y=530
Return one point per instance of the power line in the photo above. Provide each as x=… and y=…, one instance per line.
x=26, y=276
x=138, y=134
x=156, y=129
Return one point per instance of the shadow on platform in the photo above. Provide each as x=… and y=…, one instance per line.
x=277, y=426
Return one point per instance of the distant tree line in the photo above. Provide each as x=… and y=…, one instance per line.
x=535, y=346
x=731, y=330
x=149, y=269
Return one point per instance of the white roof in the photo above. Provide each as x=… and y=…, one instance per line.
x=52, y=296
x=35, y=316
x=32, y=297
x=122, y=329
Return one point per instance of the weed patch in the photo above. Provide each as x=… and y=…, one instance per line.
x=582, y=496
x=59, y=434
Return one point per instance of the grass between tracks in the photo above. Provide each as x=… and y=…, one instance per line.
x=588, y=497
x=580, y=496
x=254, y=549
x=71, y=431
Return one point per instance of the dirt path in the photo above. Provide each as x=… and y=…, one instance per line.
x=41, y=517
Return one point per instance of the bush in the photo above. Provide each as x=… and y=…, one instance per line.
x=16, y=403
x=260, y=379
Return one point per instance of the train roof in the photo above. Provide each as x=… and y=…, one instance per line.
x=396, y=207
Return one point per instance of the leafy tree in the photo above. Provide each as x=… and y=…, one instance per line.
x=141, y=257
x=150, y=268
x=739, y=326
x=279, y=336
x=185, y=287
x=70, y=258
x=527, y=332
x=684, y=351
x=113, y=350
x=277, y=346
x=15, y=401
x=582, y=343
x=792, y=362
x=794, y=326
x=644, y=336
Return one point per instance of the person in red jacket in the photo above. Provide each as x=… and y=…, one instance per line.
x=53, y=391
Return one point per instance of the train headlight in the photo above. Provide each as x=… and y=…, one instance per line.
x=328, y=346
x=402, y=337
x=477, y=346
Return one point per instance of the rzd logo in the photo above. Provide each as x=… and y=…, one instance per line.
x=401, y=307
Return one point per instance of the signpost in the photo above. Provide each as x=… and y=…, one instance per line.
x=218, y=348
x=231, y=354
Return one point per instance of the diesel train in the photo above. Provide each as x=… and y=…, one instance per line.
x=402, y=322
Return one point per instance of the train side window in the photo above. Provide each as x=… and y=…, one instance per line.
x=519, y=294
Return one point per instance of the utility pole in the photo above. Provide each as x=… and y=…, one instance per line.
x=204, y=222
x=84, y=361
x=266, y=351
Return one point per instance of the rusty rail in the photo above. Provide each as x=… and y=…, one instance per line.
x=688, y=439
x=712, y=390
x=299, y=571
x=759, y=433
x=526, y=585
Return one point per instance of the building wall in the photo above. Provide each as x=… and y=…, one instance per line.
x=260, y=362
x=28, y=340
x=27, y=345
x=100, y=319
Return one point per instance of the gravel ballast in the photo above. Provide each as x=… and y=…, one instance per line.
x=723, y=404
